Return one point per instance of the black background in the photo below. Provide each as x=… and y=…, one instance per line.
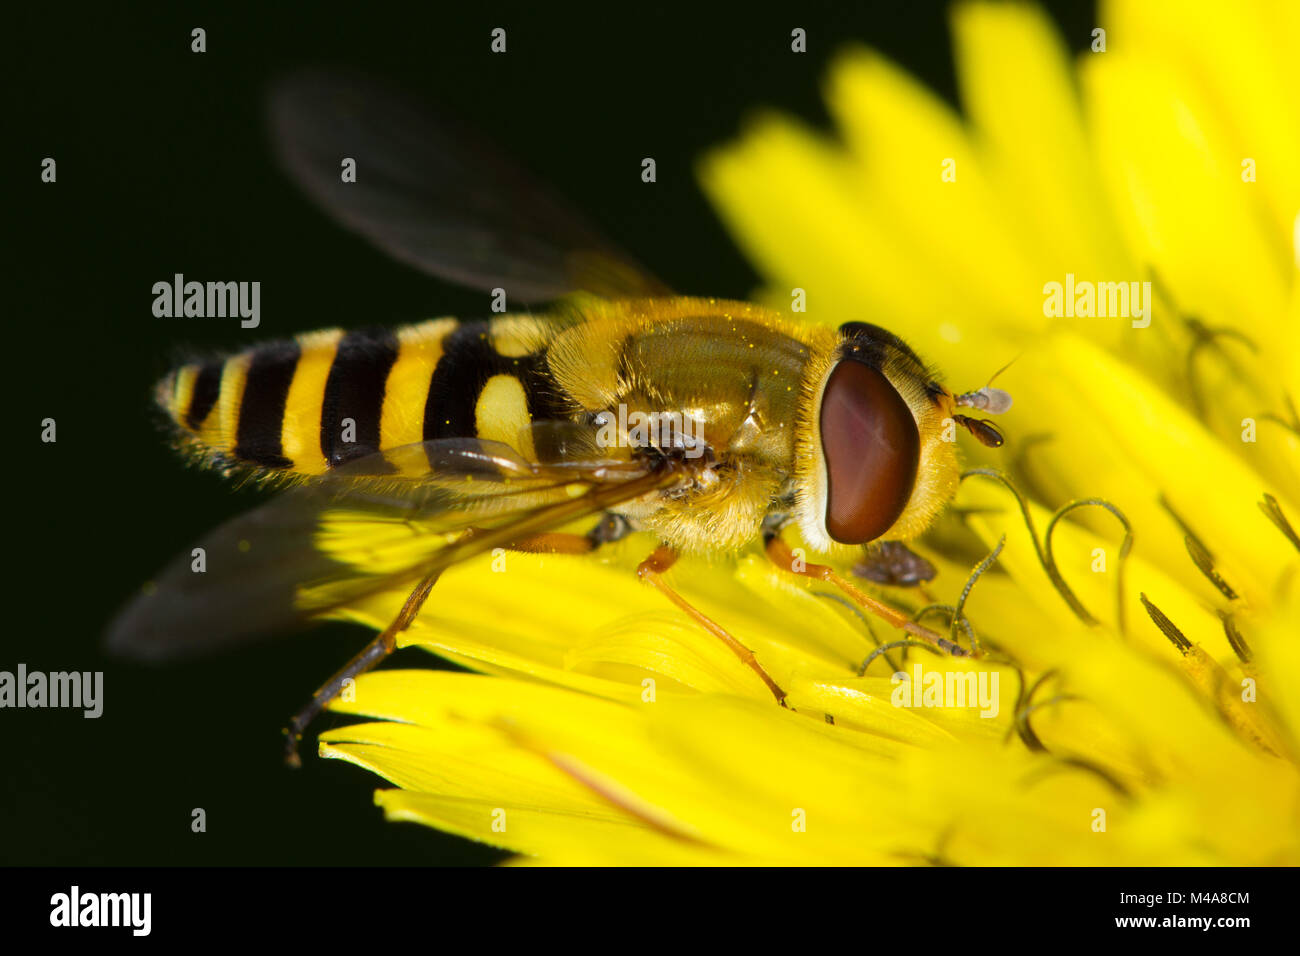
x=163, y=167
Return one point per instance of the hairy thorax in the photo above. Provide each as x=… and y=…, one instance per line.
x=719, y=391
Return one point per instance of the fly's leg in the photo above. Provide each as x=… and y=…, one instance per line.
x=370, y=655
x=651, y=571
x=612, y=527
x=780, y=554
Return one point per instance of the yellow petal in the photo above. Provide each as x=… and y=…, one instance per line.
x=1018, y=91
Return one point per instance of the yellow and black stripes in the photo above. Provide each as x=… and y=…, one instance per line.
x=354, y=395
x=206, y=391
x=326, y=398
x=469, y=362
x=261, y=407
x=300, y=431
x=420, y=347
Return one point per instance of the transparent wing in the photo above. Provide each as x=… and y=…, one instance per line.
x=437, y=198
x=382, y=521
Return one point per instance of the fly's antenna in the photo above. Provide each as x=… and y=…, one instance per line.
x=992, y=400
x=995, y=401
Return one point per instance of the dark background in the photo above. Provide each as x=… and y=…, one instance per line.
x=163, y=167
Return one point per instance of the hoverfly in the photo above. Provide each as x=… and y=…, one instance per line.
x=463, y=437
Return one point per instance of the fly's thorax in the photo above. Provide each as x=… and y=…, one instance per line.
x=731, y=375
x=727, y=373
x=719, y=514
x=873, y=461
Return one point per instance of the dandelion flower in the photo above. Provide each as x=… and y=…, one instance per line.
x=1140, y=619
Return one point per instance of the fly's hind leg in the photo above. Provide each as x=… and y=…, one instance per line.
x=612, y=527
x=651, y=571
x=370, y=655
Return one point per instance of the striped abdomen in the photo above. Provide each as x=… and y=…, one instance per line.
x=324, y=398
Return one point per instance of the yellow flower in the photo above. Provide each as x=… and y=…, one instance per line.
x=1144, y=710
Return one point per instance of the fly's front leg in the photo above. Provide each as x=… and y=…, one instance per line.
x=780, y=554
x=651, y=571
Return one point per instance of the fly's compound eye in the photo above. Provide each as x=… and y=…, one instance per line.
x=872, y=448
